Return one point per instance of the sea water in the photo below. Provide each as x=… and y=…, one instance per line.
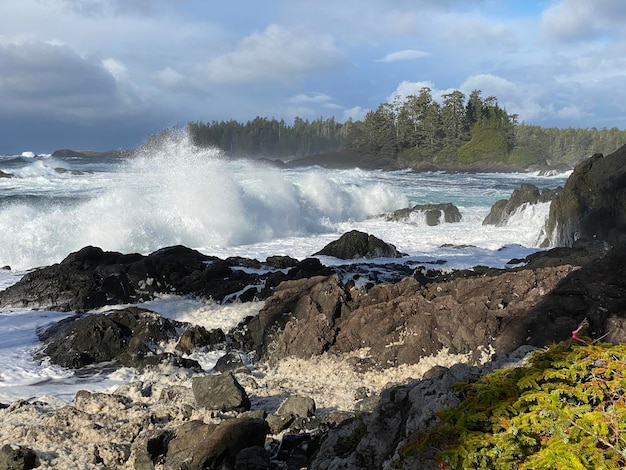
x=179, y=194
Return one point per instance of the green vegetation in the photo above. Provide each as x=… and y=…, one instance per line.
x=566, y=409
x=460, y=130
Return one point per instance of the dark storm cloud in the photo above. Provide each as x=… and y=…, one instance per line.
x=39, y=77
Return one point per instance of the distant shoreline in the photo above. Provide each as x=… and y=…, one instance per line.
x=346, y=160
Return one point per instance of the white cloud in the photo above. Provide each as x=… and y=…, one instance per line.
x=310, y=98
x=275, y=54
x=575, y=20
x=356, y=113
x=169, y=77
x=407, y=54
x=489, y=85
x=117, y=69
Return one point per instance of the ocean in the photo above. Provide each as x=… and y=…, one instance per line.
x=179, y=194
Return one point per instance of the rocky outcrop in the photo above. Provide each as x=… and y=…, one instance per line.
x=526, y=194
x=434, y=214
x=355, y=244
x=403, y=322
x=133, y=337
x=92, y=278
x=593, y=203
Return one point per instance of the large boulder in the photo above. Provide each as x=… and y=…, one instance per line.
x=355, y=244
x=592, y=204
x=129, y=336
x=196, y=445
x=220, y=392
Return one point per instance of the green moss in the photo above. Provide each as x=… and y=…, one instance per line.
x=565, y=410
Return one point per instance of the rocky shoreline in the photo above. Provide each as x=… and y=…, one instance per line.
x=392, y=339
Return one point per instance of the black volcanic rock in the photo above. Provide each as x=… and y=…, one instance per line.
x=592, y=204
x=435, y=213
x=355, y=244
x=128, y=336
x=91, y=278
x=526, y=194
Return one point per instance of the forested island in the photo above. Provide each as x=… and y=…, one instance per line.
x=415, y=131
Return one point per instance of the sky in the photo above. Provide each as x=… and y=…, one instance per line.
x=106, y=74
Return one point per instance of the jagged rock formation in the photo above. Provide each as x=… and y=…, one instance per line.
x=434, y=213
x=593, y=203
x=355, y=244
x=527, y=193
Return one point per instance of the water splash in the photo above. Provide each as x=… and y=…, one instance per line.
x=177, y=193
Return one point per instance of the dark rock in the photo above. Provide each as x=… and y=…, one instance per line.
x=307, y=268
x=526, y=194
x=17, y=458
x=92, y=278
x=278, y=423
x=405, y=321
x=6, y=175
x=435, y=213
x=592, y=204
x=231, y=361
x=196, y=337
x=253, y=458
x=124, y=335
x=151, y=450
x=198, y=446
x=301, y=407
x=315, y=301
x=220, y=392
x=355, y=244
x=281, y=262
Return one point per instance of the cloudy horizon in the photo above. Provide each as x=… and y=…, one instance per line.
x=105, y=74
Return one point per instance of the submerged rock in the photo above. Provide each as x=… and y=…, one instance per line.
x=355, y=244
x=434, y=213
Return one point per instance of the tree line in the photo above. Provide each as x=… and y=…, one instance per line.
x=418, y=128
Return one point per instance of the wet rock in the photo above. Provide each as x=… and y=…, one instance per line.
x=315, y=301
x=355, y=244
x=592, y=204
x=91, y=278
x=434, y=213
x=220, y=392
x=198, y=446
x=301, y=407
x=231, y=361
x=14, y=457
x=128, y=336
x=4, y=174
x=526, y=194
x=196, y=337
x=403, y=322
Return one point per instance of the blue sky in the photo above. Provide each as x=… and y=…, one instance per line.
x=105, y=74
